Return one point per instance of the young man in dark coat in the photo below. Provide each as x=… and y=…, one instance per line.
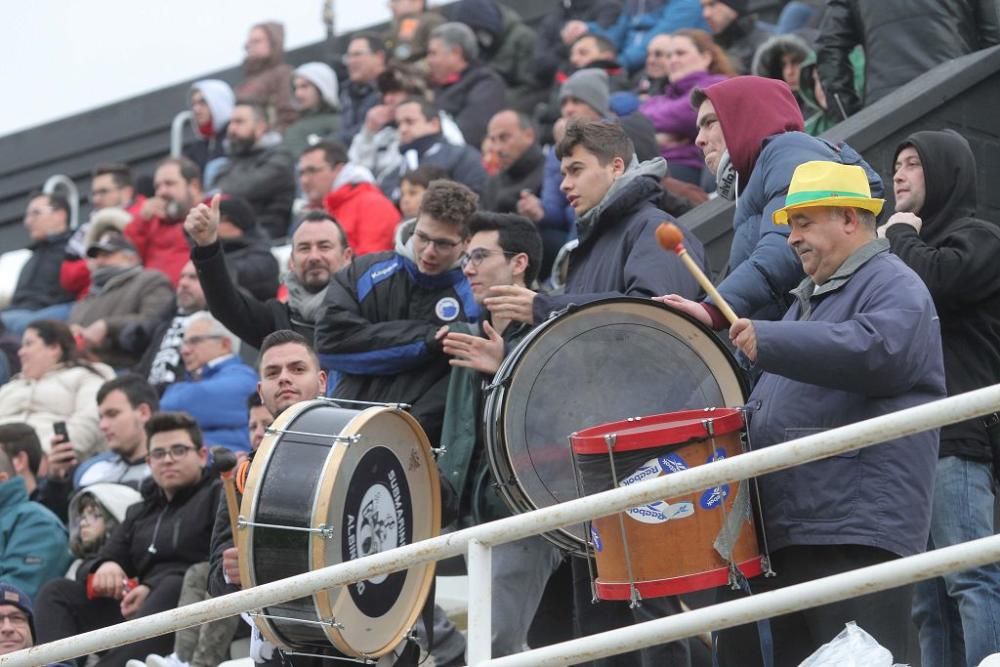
x=935, y=233
x=522, y=163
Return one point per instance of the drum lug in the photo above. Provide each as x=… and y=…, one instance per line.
x=438, y=451
x=765, y=564
x=325, y=531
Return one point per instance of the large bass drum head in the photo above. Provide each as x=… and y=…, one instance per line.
x=604, y=361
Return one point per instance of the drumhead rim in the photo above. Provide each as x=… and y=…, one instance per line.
x=671, y=428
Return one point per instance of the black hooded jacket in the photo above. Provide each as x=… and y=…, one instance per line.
x=958, y=257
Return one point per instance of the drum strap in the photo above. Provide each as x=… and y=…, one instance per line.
x=764, y=637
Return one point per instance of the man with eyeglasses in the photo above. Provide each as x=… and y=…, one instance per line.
x=215, y=392
x=17, y=622
x=365, y=60
x=140, y=569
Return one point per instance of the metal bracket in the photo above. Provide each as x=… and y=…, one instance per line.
x=323, y=530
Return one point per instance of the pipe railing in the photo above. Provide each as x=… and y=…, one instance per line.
x=478, y=540
x=58, y=182
x=177, y=132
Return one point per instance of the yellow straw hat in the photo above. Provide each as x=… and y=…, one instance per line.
x=828, y=184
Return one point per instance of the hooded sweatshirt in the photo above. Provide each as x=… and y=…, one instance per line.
x=114, y=500
x=367, y=216
x=958, y=257
x=315, y=124
x=269, y=80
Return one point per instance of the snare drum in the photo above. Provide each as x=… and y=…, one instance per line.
x=329, y=485
x=677, y=545
x=604, y=361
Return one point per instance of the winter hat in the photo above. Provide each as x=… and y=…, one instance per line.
x=321, y=75
x=220, y=99
x=237, y=211
x=12, y=595
x=821, y=183
x=739, y=6
x=591, y=87
x=480, y=15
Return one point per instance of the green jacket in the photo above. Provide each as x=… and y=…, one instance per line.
x=465, y=463
x=321, y=124
x=819, y=121
x=34, y=546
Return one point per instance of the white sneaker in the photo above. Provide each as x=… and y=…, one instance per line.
x=153, y=660
x=991, y=661
x=135, y=663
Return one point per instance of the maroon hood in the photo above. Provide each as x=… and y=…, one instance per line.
x=750, y=109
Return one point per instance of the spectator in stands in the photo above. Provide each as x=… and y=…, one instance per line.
x=111, y=186
x=735, y=30
x=256, y=171
x=750, y=130
x=160, y=538
x=124, y=405
x=122, y=294
x=314, y=86
x=247, y=247
x=506, y=44
x=421, y=142
x=561, y=26
x=38, y=294
x=54, y=385
x=17, y=622
x=410, y=30
x=319, y=249
x=694, y=61
x=380, y=337
x=600, y=53
x=471, y=92
x=20, y=442
x=521, y=162
x=638, y=22
x=268, y=79
x=781, y=57
x=655, y=76
x=94, y=513
x=900, y=42
x=212, y=103
x=157, y=232
x=934, y=232
x=816, y=109
x=161, y=362
x=220, y=380
x=414, y=185
x=365, y=60
x=74, y=275
x=34, y=547
x=260, y=418
x=376, y=146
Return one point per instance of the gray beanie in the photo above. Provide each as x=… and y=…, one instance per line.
x=591, y=87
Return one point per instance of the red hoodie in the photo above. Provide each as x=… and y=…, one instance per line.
x=368, y=217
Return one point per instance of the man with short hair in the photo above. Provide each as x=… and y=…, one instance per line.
x=512, y=135
x=504, y=249
x=598, y=52
x=750, y=130
x=349, y=194
x=140, y=568
x=469, y=91
x=861, y=340
x=258, y=172
x=34, y=546
x=111, y=186
x=20, y=442
x=157, y=232
x=935, y=233
x=122, y=294
x=382, y=314
x=38, y=294
x=259, y=418
x=218, y=382
x=365, y=60
x=735, y=29
x=421, y=142
x=17, y=621
x=124, y=405
x=319, y=249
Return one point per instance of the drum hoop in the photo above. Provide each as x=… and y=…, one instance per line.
x=675, y=428
x=248, y=507
x=324, y=491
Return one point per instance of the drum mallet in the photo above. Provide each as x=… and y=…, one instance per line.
x=671, y=238
x=224, y=464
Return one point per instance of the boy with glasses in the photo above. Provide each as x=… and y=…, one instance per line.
x=140, y=569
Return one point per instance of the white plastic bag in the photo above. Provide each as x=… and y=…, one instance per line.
x=853, y=647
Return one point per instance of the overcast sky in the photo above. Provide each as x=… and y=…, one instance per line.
x=60, y=57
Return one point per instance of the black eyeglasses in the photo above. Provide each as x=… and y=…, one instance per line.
x=195, y=340
x=16, y=618
x=441, y=245
x=173, y=451
x=476, y=257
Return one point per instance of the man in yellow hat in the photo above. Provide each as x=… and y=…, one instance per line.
x=861, y=339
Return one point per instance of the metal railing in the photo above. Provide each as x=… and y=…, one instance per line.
x=62, y=182
x=478, y=540
x=177, y=132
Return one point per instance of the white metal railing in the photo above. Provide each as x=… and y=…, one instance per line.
x=65, y=183
x=478, y=540
x=177, y=132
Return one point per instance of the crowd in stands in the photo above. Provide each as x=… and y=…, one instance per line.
x=129, y=350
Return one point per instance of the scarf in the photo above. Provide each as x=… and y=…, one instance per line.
x=307, y=305
x=99, y=278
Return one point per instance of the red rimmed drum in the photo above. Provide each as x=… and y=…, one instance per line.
x=674, y=546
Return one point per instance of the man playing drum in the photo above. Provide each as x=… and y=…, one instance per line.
x=862, y=339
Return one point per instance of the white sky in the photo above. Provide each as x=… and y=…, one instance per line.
x=61, y=57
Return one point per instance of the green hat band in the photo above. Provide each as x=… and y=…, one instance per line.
x=805, y=196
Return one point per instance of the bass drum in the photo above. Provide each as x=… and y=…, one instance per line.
x=601, y=362
x=328, y=485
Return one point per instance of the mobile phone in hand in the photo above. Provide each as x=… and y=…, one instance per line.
x=60, y=430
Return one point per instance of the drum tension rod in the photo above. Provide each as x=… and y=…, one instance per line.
x=323, y=529
x=363, y=661
x=400, y=406
x=635, y=598
x=331, y=623
x=349, y=439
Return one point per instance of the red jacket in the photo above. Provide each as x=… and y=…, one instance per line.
x=162, y=245
x=368, y=217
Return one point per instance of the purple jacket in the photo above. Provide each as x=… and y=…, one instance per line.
x=671, y=112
